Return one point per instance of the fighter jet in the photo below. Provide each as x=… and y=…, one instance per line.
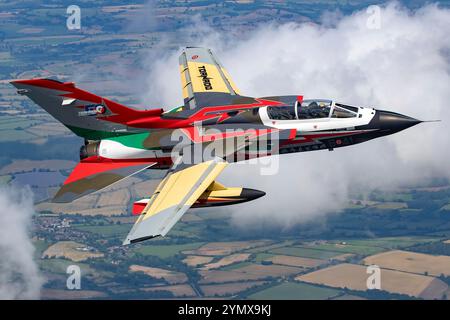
x=121, y=141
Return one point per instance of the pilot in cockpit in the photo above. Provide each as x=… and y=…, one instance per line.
x=314, y=110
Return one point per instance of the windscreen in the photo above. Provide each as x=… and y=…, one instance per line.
x=344, y=111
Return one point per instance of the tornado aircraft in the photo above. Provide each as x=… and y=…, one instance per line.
x=216, y=118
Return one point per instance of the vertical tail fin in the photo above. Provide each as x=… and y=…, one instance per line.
x=87, y=115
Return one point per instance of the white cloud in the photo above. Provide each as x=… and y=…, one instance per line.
x=404, y=67
x=19, y=274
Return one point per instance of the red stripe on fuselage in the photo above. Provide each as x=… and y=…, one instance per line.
x=203, y=114
x=193, y=133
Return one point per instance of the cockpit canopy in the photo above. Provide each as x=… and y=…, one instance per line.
x=312, y=109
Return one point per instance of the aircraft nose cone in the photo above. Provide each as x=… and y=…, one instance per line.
x=251, y=194
x=395, y=121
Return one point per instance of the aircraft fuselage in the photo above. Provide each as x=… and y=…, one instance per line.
x=295, y=126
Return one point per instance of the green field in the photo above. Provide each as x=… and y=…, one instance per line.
x=349, y=248
x=113, y=230
x=390, y=242
x=40, y=246
x=270, y=247
x=295, y=291
x=263, y=256
x=187, y=230
x=306, y=252
x=213, y=215
x=166, y=251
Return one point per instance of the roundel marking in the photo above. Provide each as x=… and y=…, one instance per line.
x=194, y=57
x=100, y=109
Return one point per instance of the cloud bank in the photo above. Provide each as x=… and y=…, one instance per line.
x=403, y=66
x=19, y=274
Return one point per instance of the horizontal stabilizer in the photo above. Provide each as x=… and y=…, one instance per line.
x=89, y=177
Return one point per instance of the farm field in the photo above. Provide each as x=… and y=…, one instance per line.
x=295, y=291
x=114, y=198
x=165, y=251
x=70, y=250
x=178, y=291
x=229, y=289
x=247, y=272
x=346, y=248
x=57, y=294
x=305, y=252
x=354, y=277
x=411, y=262
x=170, y=276
x=113, y=230
x=295, y=261
x=389, y=242
x=194, y=261
x=227, y=260
x=226, y=248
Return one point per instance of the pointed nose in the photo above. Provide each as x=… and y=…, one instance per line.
x=251, y=194
x=395, y=122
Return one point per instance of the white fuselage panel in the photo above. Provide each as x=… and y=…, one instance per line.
x=365, y=115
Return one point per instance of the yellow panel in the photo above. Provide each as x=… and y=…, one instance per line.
x=215, y=172
x=206, y=78
x=183, y=74
x=216, y=186
x=232, y=84
x=185, y=93
x=228, y=192
x=173, y=190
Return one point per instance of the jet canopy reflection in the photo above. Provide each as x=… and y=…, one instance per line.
x=312, y=109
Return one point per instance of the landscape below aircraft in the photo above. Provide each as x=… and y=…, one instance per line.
x=121, y=141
